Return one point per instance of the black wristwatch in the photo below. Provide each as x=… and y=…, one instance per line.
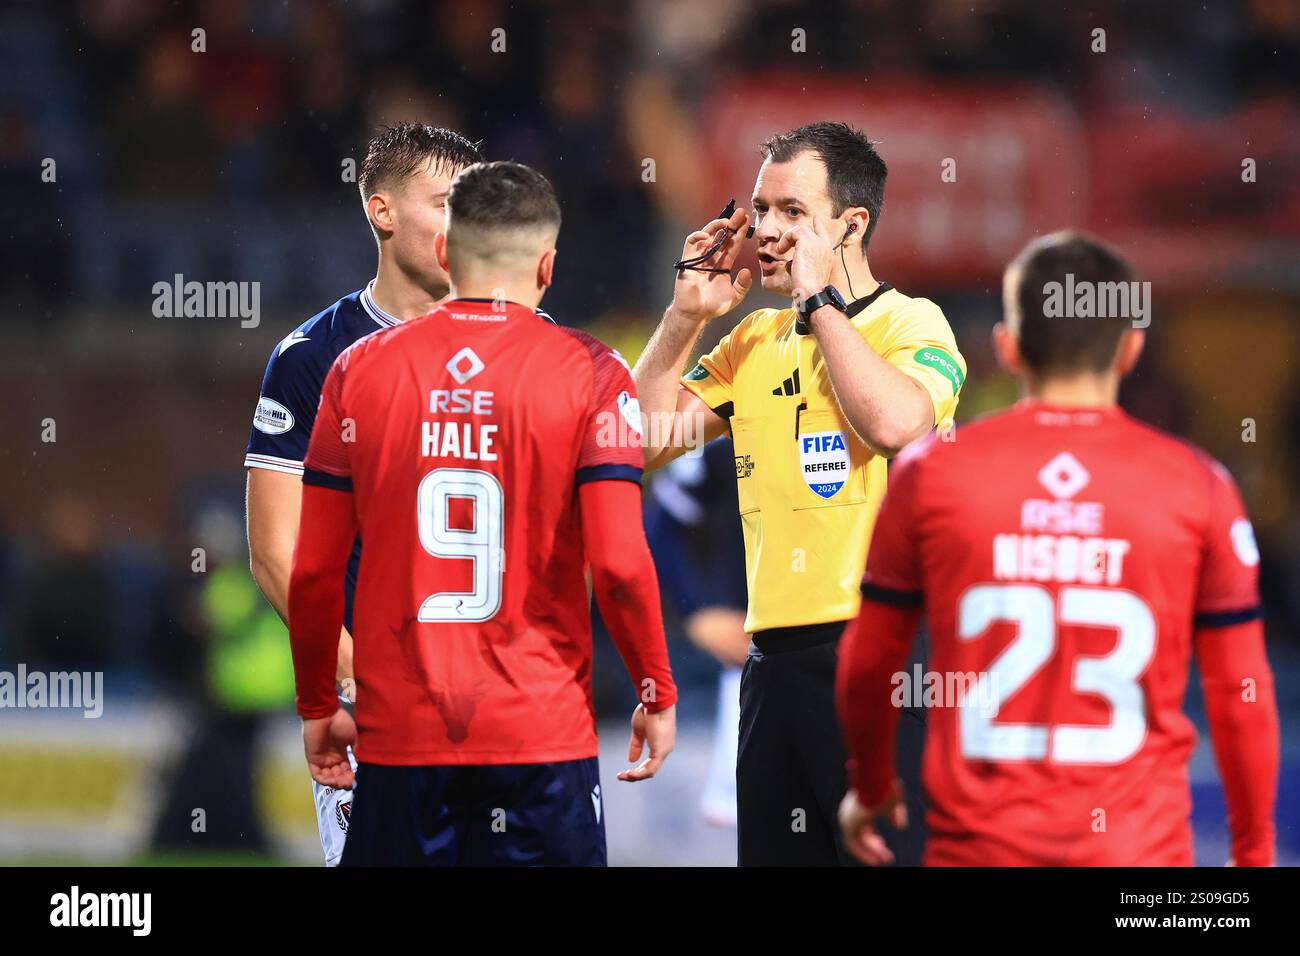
x=827, y=296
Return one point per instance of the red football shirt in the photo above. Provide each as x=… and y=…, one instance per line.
x=463, y=436
x=1062, y=558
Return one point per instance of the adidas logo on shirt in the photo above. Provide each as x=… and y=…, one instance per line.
x=790, y=386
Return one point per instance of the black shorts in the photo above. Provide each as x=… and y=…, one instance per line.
x=790, y=774
x=546, y=814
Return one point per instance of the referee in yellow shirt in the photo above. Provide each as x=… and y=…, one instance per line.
x=817, y=397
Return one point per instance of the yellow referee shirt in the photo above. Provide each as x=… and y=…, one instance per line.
x=809, y=488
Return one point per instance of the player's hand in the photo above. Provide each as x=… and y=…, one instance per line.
x=812, y=259
x=326, y=741
x=660, y=732
x=348, y=688
x=858, y=824
x=721, y=632
x=701, y=296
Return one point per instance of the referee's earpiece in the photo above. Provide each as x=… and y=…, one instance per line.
x=853, y=227
x=850, y=230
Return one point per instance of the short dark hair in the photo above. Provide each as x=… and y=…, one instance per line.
x=396, y=152
x=502, y=195
x=855, y=173
x=1064, y=343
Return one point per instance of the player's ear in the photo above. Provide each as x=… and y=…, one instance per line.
x=546, y=269
x=440, y=251
x=1130, y=350
x=380, y=213
x=1007, y=350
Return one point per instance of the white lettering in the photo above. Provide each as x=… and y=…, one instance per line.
x=460, y=401
x=1066, y=559
x=453, y=440
x=132, y=910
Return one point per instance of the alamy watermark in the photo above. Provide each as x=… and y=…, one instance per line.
x=1098, y=300
x=53, y=690
x=921, y=688
x=133, y=911
x=208, y=300
x=630, y=427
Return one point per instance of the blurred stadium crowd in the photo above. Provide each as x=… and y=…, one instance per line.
x=231, y=164
x=584, y=90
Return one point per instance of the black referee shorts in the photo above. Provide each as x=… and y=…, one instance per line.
x=790, y=774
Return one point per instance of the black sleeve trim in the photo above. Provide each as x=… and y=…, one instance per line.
x=1228, y=618
x=608, y=473
x=323, y=479
x=725, y=410
x=904, y=599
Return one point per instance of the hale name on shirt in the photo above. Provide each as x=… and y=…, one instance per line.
x=458, y=439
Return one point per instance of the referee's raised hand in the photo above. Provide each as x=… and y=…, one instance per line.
x=811, y=255
x=703, y=295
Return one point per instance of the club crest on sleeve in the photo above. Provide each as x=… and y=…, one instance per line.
x=630, y=408
x=1243, y=542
